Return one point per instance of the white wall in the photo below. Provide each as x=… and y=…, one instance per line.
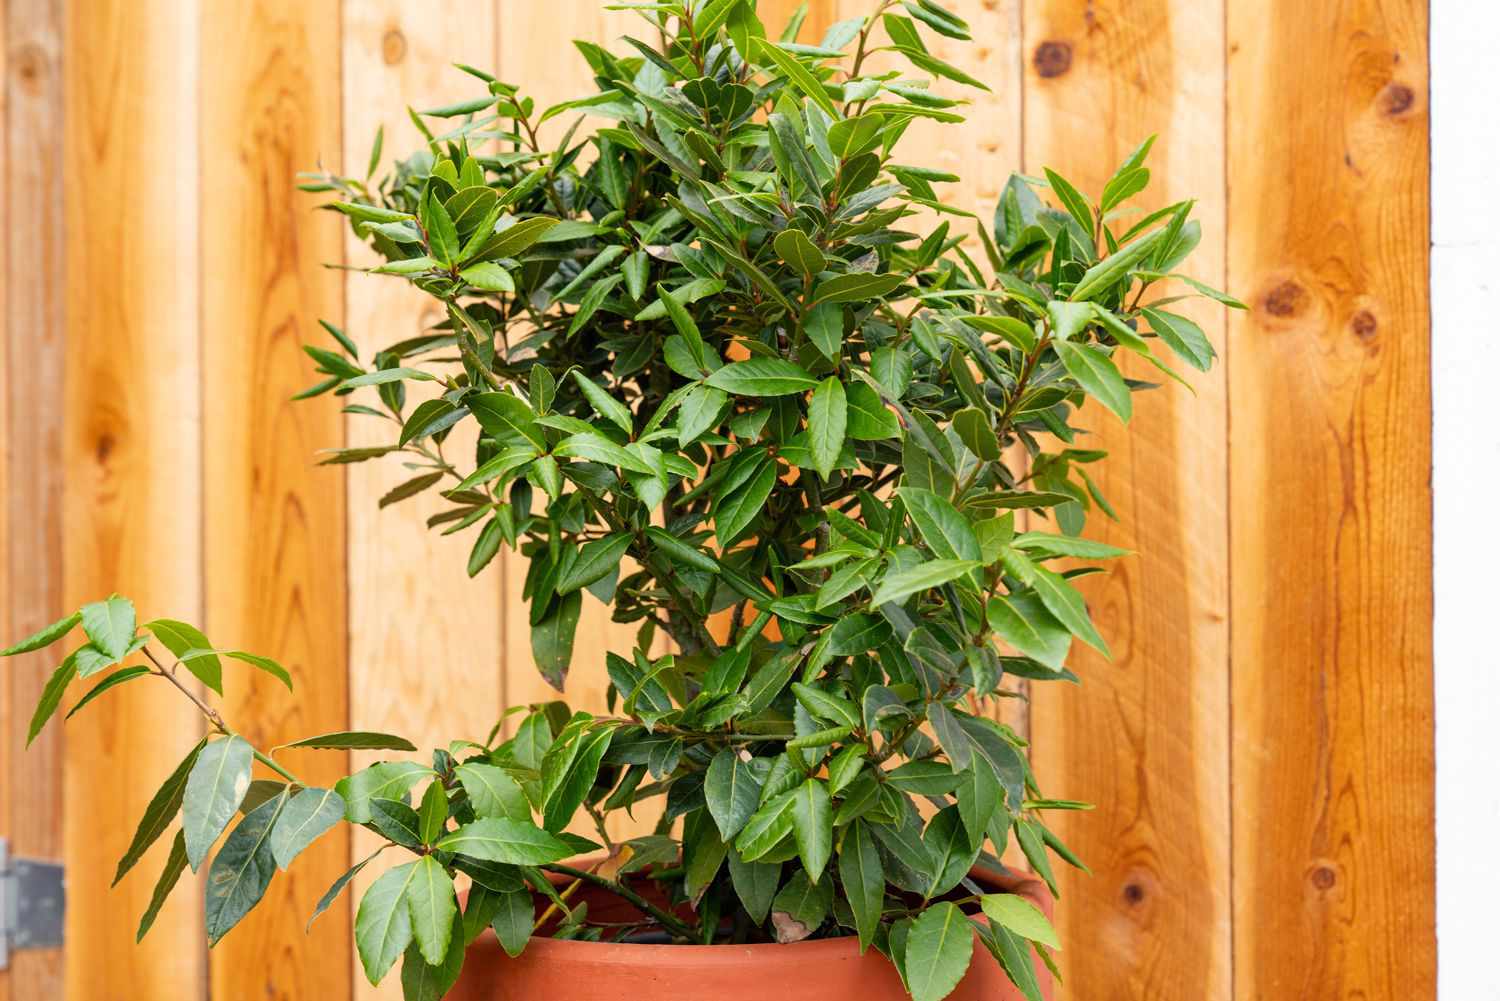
x=1466, y=486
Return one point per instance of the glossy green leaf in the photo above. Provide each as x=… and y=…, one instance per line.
x=762, y=377
x=503, y=839
x=306, y=817
x=827, y=421
x=938, y=951
x=44, y=637
x=217, y=783
x=382, y=925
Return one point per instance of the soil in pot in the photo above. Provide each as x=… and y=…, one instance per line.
x=812, y=970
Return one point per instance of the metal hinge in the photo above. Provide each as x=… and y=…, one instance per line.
x=31, y=904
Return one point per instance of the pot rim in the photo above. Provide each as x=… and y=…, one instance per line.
x=539, y=946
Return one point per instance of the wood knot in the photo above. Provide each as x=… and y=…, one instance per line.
x=1323, y=877
x=393, y=46
x=1052, y=59
x=104, y=448
x=31, y=68
x=1364, y=325
x=1396, y=99
x=1133, y=893
x=1286, y=299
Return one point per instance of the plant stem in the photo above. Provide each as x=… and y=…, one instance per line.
x=666, y=919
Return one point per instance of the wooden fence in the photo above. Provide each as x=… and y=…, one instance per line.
x=1260, y=749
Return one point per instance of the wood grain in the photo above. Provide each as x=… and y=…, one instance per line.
x=424, y=639
x=1145, y=736
x=274, y=543
x=10, y=737
x=32, y=437
x=131, y=455
x=1330, y=452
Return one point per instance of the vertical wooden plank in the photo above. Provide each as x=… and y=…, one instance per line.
x=11, y=738
x=424, y=639
x=1465, y=476
x=32, y=436
x=273, y=522
x=131, y=453
x=1330, y=465
x=1145, y=737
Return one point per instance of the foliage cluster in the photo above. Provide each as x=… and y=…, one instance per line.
x=725, y=375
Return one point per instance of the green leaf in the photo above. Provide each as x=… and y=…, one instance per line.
x=1024, y=622
x=506, y=418
x=1020, y=916
x=1015, y=960
x=502, y=839
x=513, y=921
x=680, y=552
x=382, y=780
x=159, y=813
x=215, y=787
x=977, y=434
x=1050, y=544
x=732, y=792
x=766, y=827
x=947, y=533
x=938, y=950
x=170, y=874
x=824, y=706
x=355, y=740
x=1069, y=319
x=855, y=287
x=433, y=906
x=863, y=881
x=516, y=238
x=492, y=792
x=265, y=664
x=44, y=637
x=1064, y=602
x=597, y=559
x=110, y=625
x=1075, y=203
x=699, y=412
x=489, y=276
x=762, y=377
x=442, y=235
x=800, y=76
x=382, y=926
x=901, y=584
x=604, y=405
x=827, y=420
x=423, y=981
x=800, y=252
x=800, y=908
x=824, y=326
x=869, y=419
x=1186, y=339
x=1102, y=276
x=117, y=678
x=181, y=638
x=597, y=448
x=307, y=816
x=552, y=639
x=812, y=826
x=242, y=870
x=1097, y=375
x=737, y=510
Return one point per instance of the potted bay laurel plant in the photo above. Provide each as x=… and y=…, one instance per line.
x=728, y=377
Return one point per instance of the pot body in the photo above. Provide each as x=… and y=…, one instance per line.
x=819, y=970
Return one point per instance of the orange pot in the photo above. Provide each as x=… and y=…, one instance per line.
x=817, y=970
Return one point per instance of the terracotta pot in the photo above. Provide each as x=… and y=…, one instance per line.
x=819, y=970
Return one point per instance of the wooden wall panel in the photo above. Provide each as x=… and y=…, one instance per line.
x=274, y=545
x=1330, y=450
x=131, y=455
x=424, y=639
x=31, y=433
x=1145, y=736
